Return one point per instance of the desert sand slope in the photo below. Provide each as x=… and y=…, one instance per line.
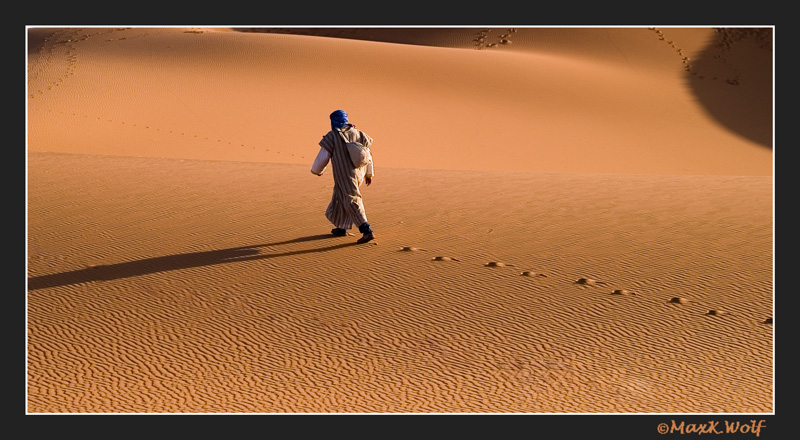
x=614, y=107
x=225, y=293
x=179, y=260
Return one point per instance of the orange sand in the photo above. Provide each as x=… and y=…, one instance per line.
x=179, y=259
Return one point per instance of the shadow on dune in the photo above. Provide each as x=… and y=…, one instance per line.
x=733, y=80
x=175, y=262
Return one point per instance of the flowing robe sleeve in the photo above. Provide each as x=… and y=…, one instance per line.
x=321, y=162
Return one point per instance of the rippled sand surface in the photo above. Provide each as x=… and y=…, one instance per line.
x=226, y=293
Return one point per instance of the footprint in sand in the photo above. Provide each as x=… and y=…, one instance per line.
x=530, y=273
x=624, y=292
x=444, y=259
x=590, y=282
x=679, y=300
x=714, y=312
x=411, y=249
x=768, y=320
x=497, y=264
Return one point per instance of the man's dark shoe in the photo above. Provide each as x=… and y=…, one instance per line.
x=339, y=232
x=369, y=236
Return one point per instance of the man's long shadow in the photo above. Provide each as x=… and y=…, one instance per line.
x=174, y=262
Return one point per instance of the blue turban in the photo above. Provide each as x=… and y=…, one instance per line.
x=339, y=120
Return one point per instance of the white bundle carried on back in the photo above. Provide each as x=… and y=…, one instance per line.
x=358, y=152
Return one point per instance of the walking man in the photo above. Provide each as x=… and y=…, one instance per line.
x=347, y=206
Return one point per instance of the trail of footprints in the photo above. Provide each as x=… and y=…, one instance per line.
x=583, y=281
x=64, y=44
x=727, y=39
x=197, y=137
x=481, y=41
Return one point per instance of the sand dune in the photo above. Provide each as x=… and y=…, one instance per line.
x=265, y=98
x=179, y=260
